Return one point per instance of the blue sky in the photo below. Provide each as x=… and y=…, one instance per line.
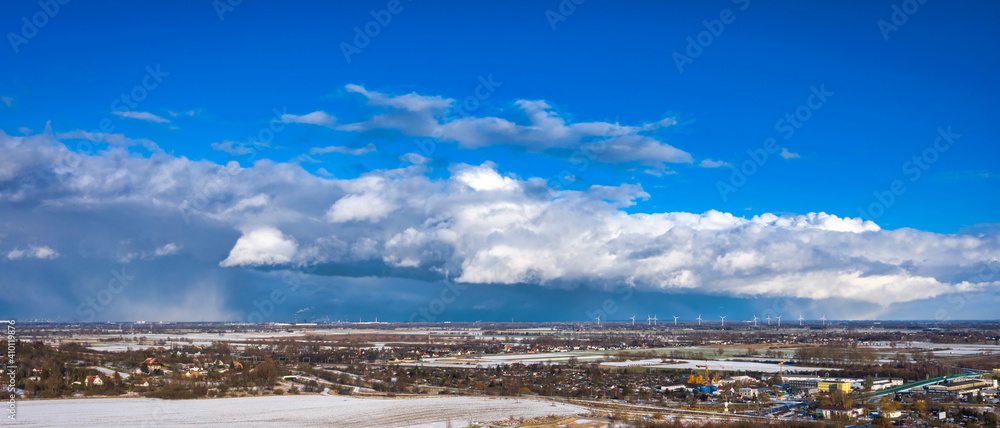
x=671, y=139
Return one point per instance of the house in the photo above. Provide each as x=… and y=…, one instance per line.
x=94, y=381
x=830, y=411
x=142, y=383
x=153, y=363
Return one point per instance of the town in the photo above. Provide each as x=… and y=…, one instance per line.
x=824, y=374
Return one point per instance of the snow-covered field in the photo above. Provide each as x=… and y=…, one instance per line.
x=304, y=410
x=742, y=366
x=499, y=360
x=110, y=372
x=945, y=349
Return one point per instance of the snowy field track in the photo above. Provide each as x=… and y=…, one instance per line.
x=303, y=410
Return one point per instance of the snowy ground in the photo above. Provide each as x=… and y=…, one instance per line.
x=499, y=360
x=942, y=349
x=304, y=410
x=110, y=372
x=741, y=366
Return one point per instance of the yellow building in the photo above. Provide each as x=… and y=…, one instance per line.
x=825, y=386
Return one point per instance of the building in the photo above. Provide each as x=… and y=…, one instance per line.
x=961, y=387
x=834, y=385
x=829, y=412
x=885, y=383
x=153, y=363
x=94, y=381
x=671, y=387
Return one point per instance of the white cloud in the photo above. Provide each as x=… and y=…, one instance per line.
x=141, y=115
x=543, y=129
x=787, y=154
x=189, y=113
x=484, y=179
x=359, y=151
x=261, y=246
x=234, y=148
x=320, y=118
x=708, y=163
x=170, y=248
x=365, y=206
x=9, y=101
x=113, y=139
x=484, y=226
x=415, y=159
x=34, y=252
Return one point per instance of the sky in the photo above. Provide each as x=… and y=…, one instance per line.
x=236, y=160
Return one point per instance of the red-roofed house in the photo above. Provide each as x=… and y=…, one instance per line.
x=94, y=381
x=153, y=363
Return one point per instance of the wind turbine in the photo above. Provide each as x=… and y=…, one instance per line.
x=755, y=321
x=779, y=321
x=675, y=320
x=654, y=320
x=800, y=320
x=649, y=320
x=723, y=320
x=768, y=320
x=824, y=320
x=699, y=320
x=598, y=320
x=633, y=319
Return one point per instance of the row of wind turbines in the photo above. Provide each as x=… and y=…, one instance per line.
x=651, y=320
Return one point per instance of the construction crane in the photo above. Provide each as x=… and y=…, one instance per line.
x=706, y=369
x=780, y=374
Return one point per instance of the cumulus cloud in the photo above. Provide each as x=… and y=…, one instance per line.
x=141, y=115
x=481, y=226
x=261, y=246
x=787, y=154
x=40, y=252
x=320, y=118
x=359, y=151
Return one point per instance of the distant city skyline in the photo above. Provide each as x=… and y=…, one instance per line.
x=193, y=161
